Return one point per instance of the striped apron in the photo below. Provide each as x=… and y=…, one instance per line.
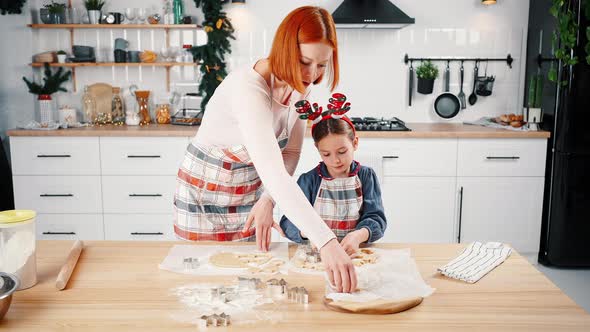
x=215, y=191
x=339, y=202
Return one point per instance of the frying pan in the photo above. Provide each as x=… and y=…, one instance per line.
x=447, y=105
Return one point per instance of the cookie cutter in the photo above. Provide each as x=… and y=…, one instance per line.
x=190, y=263
x=249, y=283
x=216, y=320
x=298, y=295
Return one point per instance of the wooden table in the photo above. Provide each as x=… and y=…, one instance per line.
x=117, y=286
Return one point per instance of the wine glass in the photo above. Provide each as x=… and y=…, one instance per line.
x=141, y=15
x=130, y=15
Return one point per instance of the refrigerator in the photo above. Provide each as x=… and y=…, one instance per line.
x=565, y=231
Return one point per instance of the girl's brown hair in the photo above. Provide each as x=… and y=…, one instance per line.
x=332, y=126
x=303, y=25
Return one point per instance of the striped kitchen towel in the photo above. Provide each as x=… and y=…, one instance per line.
x=476, y=261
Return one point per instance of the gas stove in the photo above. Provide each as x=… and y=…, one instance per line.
x=375, y=124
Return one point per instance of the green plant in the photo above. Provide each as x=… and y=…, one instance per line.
x=12, y=7
x=55, y=7
x=219, y=30
x=565, y=34
x=61, y=52
x=51, y=82
x=94, y=4
x=427, y=70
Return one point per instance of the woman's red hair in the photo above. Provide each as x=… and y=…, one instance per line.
x=303, y=25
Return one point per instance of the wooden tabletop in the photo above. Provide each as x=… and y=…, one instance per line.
x=117, y=286
x=419, y=130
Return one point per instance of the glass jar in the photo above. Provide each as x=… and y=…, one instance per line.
x=118, y=107
x=163, y=113
x=88, y=106
x=17, y=246
x=143, y=107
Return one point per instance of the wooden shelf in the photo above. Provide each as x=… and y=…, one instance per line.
x=115, y=64
x=114, y=26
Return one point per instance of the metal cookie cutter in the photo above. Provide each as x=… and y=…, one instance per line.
x=191, y=263
x=216, y=320
x=298, y=295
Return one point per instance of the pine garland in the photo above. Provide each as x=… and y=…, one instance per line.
x=219, y=30
x=11, y=6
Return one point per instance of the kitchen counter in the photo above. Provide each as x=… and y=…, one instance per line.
x=117, y=286
x=419, y=130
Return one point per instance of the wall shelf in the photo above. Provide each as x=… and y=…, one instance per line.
x=73, y=66
x=114, y=26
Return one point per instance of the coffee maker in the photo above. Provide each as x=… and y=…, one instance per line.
x=534, y=117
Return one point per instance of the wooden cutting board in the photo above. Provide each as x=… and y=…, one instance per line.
x=377, y=307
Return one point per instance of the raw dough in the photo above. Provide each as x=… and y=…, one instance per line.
x=238, y=260
x=360, y=258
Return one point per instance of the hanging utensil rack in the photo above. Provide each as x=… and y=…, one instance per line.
x=508, y=59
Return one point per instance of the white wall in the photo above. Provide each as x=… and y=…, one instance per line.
x=373, y=74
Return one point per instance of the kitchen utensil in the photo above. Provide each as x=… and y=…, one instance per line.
x=121, y=44
x=376, y=307
x=461, y=94
x=485, y=83
x=66, y=270
x=473, y=97
x=18, y=245
x=9, y=283
x=447, y=105
x=411, y=84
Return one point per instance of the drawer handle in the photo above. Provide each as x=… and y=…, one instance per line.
x=59, y=233
x=143, y=233
x=145, y=195
x=503, y=158
x=390, y=157
x=56, y=195
x=143, y=156
x=54, y=156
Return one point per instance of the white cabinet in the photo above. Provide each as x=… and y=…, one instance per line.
x=69, y=227
x=419, y=209
x=503, y=209
x=146, y=227
x=138, y=194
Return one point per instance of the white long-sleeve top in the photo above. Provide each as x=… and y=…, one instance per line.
x=243, y=112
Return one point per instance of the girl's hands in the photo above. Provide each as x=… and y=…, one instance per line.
x=351, y=242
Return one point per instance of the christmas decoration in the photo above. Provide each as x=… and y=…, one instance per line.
x=219, y=30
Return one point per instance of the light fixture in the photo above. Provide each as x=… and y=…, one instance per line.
x=488, y=2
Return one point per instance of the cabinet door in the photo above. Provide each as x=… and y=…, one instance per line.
x=504, y=209
x=419, y=209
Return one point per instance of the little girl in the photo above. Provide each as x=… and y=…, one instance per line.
x=345, y=194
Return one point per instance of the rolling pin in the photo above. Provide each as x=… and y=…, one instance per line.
x=66, y=270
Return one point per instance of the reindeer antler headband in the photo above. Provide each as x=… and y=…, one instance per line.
x=337, y=109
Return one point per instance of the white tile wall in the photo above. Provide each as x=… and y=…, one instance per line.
x=373, y=74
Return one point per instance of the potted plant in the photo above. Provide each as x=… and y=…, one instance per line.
x=426, y=73
x=51, y=84
x=61, y=56
x=56, y=12
x=94, y=8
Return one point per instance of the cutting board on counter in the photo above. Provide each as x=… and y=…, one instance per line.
x=376, y=307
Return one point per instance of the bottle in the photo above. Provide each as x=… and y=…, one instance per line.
x=89, y=106
x=168, y=12
x=117, y=107
x=178, y=8
x=187, y=54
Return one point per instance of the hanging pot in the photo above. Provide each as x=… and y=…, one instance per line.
x=447, y=105
x=425, y=85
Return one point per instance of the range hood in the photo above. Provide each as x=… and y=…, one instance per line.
x=375, y=14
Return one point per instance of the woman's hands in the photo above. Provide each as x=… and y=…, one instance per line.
x=351, y=242
x=261, y=216
x=339, y=267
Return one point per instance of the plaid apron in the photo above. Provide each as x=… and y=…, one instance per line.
x=215, y=191
x=339, y=202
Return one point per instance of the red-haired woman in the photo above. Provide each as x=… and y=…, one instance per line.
x=248, y=145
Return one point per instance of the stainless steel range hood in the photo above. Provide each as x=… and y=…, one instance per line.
x=371, y=14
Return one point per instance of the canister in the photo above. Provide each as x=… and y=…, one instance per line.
x=18, y=246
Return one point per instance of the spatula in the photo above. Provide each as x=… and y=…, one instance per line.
x=473, y=96
x=461, y=94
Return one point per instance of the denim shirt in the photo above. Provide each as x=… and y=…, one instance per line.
x=372, y=214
